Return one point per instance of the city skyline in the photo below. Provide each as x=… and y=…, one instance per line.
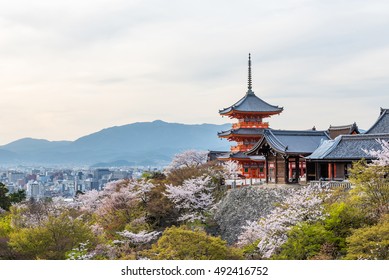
x=70, y=69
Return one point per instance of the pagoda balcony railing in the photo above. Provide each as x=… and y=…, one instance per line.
x=241, y=148
x=250, y=125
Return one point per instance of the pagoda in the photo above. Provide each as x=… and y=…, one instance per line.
x=250, y=111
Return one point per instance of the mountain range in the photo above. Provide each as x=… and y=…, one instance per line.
x=142, y=143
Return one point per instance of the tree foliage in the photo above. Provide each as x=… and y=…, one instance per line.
x=194, y=198
x=52, y=239
x=304, y=204
x=372, y=182
x=5, y=201
x=182, y=243
x=371, y=242
x=189, y=158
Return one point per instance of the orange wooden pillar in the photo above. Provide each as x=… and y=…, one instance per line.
x=290, y=170
x=330, y=175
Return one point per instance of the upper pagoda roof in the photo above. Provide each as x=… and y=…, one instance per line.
x=251, y=103
x=382, y=123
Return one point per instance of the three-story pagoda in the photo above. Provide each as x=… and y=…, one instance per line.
x=250, y=111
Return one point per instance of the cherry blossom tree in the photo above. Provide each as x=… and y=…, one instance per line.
x=140, y=238
x=35, y=213
x=372, y=181
x=304, y=204
x=90, y=200
x=81, y=252
x=117, y=204
x=193, y=198
x=231, y=169
x=382, y=155
x=115, y=195
x=190, y=158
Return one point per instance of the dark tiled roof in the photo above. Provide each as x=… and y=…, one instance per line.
x=251, y=103
x=213, y=155
x=382, y=124
x=242, y=131
x=292, y=141
x=348, y=147
x=335, y=131
x=238, y=155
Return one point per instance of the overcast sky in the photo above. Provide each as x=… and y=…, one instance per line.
x=70, y=68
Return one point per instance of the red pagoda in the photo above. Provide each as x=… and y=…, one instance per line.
x=250, y=112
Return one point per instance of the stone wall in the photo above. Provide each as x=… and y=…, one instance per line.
x=246, y=203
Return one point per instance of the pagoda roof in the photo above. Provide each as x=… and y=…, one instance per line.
x=291, y=142
x=335, y=131
x=251, y=103
x=382, y=123
x=242, y=131
x=348, y=147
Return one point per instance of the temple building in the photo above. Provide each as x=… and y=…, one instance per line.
x=333, y=159
x=293, y=156
x=250, y=112
x=284, y=152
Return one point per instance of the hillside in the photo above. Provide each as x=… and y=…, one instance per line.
x=142, y=143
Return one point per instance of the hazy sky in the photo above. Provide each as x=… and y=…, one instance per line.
x=70, y=68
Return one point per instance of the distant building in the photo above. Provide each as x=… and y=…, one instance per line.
x=34, y=189
x=119, y=175
x=335, y=131
x=100, y=172
x=11, y=187
x=91, y=184
x=14, y=176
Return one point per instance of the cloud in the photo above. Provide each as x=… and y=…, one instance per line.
x=73, y=67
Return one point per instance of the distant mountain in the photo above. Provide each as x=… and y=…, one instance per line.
x=142, y=143
x=26, y=145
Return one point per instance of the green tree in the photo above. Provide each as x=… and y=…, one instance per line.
x=5, y=230
x=5, y=201
x=182, y=243
x=52, y=239
x=305, y=241
x=372, y=188
x=325, y=239
x=160, y=210
x=18, y=196
x=370, y=242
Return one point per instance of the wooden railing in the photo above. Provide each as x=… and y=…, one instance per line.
x=331, y=184
x=241, y=148
x=250, y=125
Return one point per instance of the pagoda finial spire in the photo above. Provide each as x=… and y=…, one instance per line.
x=249, y=82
